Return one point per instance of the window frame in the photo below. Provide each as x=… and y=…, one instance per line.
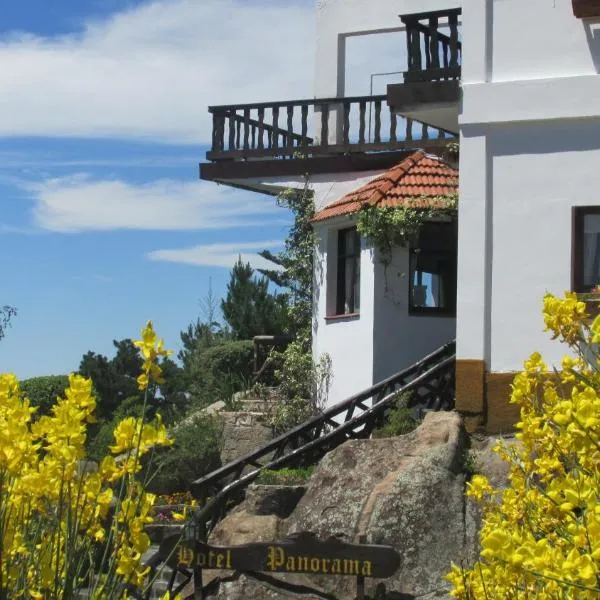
x=340, y=280
x=577, y=245
x=432, y=311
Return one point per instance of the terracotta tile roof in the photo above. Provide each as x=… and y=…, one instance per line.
x=413, y=182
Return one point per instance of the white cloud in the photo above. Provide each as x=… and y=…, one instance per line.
x=150, y=72
x=218, y=255
x=81, y=203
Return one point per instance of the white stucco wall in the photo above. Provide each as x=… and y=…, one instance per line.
x=539, y=172
x=348, y=341
x=530, y=150
x=400, y=339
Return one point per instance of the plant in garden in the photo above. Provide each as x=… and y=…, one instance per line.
x=62, y=526
x=541, y=536
x=304, y=386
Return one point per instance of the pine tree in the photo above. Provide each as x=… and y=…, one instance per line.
x=249, y=308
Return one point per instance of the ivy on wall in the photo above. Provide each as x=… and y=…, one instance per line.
x=385, y=226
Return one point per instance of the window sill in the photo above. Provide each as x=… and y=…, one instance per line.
x=346, y=317
x=431, y=312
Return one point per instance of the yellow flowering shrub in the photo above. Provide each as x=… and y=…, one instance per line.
x=541, y=536
x=63, y=526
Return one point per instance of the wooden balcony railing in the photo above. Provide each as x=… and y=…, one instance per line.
x=432, y=54
x=340, y=126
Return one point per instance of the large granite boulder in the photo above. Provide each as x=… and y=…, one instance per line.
x=406, y=492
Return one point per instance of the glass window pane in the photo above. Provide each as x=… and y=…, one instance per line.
x=591, y=250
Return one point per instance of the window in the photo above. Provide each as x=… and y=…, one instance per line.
x=586, y=248
x=348, y=272
x=432, y=283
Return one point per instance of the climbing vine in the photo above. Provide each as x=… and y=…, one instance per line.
x=387, y=226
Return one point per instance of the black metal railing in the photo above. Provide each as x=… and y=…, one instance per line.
x=337, y=126
x=432, y=54
x=430, y=382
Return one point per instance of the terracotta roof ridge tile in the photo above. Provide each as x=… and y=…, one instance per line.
x=410, y=182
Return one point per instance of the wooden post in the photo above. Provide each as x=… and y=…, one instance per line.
x=360, y=588
x=360, y=580
x=198, y=585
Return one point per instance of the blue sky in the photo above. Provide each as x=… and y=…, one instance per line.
x=103, y=221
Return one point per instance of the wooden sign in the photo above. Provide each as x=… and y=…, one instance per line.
x=585, y=9
x=300, y=553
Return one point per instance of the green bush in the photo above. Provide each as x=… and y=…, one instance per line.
x=285, y=476
x=231, y=358
x=196, y=451
x=218, y=372
x=99, y=439
x=399, y=421
x=43, y=391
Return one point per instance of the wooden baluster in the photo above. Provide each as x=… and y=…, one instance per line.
x=232, y=131
x=346, y=125
x=409, y=130
x=361, y=130
x=428, y=53
x=424, y=132
x=246, y=128
x=410, y=33
x=441, y=134
x=453, y=22
x=416, y=51
x=324, y=124
x=218, y=132
x=275, y=133
x=393, y=123
x=445, y=54
x=290, y=126
x=434, y=47
x=377, y=132
x=304, y=124
x=238, y=129
x=253, y=141
x=261, y=127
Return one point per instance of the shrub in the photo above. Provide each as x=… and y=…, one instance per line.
x=236, y=357
x=63, y=528
x=399, y=422
x=43, y=391
x=303, y=384
x=196, y=451
x=218, y=372
x=541, y=536
x=285, y=476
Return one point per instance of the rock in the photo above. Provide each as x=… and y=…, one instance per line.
x=279, y=500
x=487, y=462
x=243, y=433
x=241, y=527
x=247, y=588
x=406, y=492
x=214, y=408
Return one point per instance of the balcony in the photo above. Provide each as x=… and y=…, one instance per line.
x=430, y=91
x=270, y=139
x=330, y=135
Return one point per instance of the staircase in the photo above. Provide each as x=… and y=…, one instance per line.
x=427, y=385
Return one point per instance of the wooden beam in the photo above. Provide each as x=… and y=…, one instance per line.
x=586, y=9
